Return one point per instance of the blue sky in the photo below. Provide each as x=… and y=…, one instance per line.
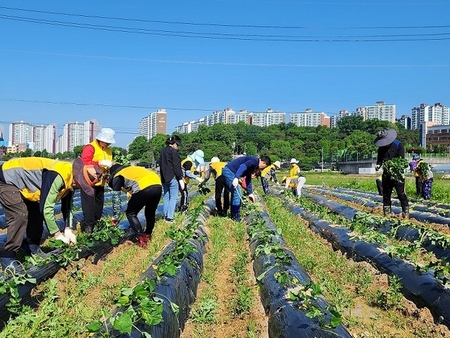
x=117, y=61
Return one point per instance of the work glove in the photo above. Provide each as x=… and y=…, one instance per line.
x=181, y=183
x=68, y=234
x=105, y=163
x=199, y=180
x=377, y=167
x=61, y=237
x=235, y=182
x=251, y=197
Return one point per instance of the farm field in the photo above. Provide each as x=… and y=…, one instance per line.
x=328, y=257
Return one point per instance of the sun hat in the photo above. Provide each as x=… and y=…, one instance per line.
x=86, y=175
x=277, y=164
x=215, y=159
x=293, y=160
x=385, y=137
x=198, y=156
x=106, y=135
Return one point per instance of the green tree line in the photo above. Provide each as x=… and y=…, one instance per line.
x=351, y=140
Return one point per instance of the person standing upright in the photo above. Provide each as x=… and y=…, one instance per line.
x=242, y=167
x=389, y=148
x=171, y=176
x=96, y=153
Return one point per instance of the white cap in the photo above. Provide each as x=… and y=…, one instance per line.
x=277, y=164
x=215, y=159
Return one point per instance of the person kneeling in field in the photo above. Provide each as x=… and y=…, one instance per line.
x=145, y=189
x=295, y=180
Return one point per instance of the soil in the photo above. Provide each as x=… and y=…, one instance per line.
x=419, y=320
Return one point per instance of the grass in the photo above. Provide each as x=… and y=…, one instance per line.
x=367, y=182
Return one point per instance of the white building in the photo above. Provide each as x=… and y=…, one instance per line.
x=437, y=113
x=20, y=133
x=154, y=123
x=380, y=111
x=308, y=118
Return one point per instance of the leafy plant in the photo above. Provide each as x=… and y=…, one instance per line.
x=395, y=168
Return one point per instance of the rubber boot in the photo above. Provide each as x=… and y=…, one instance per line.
x=387, y=210
x=405, y=212
x=142, y=240
x=235, y=212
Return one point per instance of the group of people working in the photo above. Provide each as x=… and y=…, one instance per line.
x=30, y=188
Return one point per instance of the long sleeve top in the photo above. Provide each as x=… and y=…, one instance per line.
x=170, y=165
x=244, y=166
x=394, y=150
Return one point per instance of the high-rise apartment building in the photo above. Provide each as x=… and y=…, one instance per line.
x=154, y=123
x=380, y=111
x=268, y=118
x=308, y=118
x=242, y=116
x=437, y=113
x=20, y=133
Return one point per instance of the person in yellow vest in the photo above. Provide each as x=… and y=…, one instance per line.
x=295, y=180
x=29, y=190
x=96, y=153
x=145, y=188
x=189, y=165
x=269, y=173
x=215, y=170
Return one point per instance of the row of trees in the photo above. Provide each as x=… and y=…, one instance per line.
x=351, y=140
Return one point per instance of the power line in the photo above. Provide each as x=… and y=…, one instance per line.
x=243, y=37
x=224, y=25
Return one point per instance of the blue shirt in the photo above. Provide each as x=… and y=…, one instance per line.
x=244, y=166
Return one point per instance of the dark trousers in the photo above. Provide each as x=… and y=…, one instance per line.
x=419, y=186
x=22, y=217
x=388, y=186
x=221, y=189
x=92, y=207
x=148, y=198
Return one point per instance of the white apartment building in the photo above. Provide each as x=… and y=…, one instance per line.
x=437, y=113
x=242, y=116
x=268, y=118
x=308, y=118
x=380, y=111
x=154, y=123
x=20, y=133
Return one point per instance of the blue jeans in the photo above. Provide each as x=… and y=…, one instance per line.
x=170, y=196
x=235, y=193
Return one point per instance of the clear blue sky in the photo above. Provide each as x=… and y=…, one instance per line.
x=117, y=61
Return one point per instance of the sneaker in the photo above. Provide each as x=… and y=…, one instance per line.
x=169, y=220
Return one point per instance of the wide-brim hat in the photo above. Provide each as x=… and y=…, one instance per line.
x=293, y=160
x=86, y=175
x=385, y=137
x=106, y=135
x=277, y=164
x=198, y=156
